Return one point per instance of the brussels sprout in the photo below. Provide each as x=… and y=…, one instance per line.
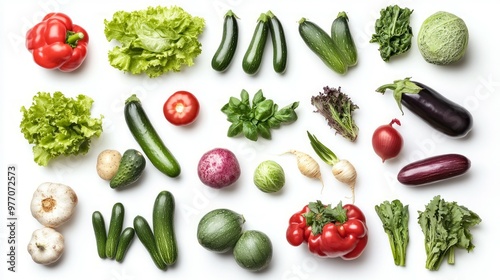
x=443, y=38
x=269, y=176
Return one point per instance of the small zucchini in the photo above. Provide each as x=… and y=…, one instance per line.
x=322, y=45
x=227, y=47
x=131, y=167
x=115, y=229
x=163, y=227
x=100, y=233
x=341, y=36
x=124, y=242
x=149, y=140
x=147, y=238
x=253, y=56
x=279, y=43
x=433, y=169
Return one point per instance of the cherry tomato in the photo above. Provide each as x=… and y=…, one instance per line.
x=181, y=108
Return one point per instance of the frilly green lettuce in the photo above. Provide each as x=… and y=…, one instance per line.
x=154, y=41
x=58, y=125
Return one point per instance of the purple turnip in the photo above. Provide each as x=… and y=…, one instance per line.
x=218, y=168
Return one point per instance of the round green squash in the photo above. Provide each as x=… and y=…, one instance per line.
x=253, y=251
x=220, y=229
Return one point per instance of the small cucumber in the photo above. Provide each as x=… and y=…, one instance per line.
x=253, y=56
x=322, y=45
x=131, y=166
x=163, y=227
x=100, y=233
x=149, y=140
x=147, y=238
x=124, y=242
x=220, y=229
x=341, y=36
x=279, y=43
x=115, y=229
x=227, y=48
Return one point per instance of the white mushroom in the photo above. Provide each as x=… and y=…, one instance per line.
x=53, y=204
x=46, y=245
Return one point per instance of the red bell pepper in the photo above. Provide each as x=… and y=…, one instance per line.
x=329, y=232
x=57, y=43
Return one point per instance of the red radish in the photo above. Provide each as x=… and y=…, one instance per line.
x=387, y=141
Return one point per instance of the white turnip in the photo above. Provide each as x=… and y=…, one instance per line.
x=218, y=168
x=342, y=169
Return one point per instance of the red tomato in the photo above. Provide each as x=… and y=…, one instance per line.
x=181, y=108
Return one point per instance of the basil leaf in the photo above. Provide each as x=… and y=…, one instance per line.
x=257, y=98
x=264, y=110
x=264, y=130
x=245, y=98
x=250, y=130
x=235, y=129
x=273, y=122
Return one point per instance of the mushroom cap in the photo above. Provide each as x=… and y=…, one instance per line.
x=53, y=204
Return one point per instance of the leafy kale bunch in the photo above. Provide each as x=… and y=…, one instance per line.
x=393, y=32
x=258, y=117
x=337, y=108
x=446, y=227
x=154, y=41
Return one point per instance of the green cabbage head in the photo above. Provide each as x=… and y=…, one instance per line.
x=443, y=38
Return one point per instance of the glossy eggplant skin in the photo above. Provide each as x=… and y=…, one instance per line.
x=438, y=111
x=433, y=169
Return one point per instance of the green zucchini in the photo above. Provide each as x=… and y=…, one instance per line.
x=163, y=227
x=255, y=51
x=131, y=167
x=279, y=43
x=322, y=45
x=147, y=238
x=100, y=233
x=149, y=140
x=342, y=38
x=115, y=229
x=220, y=229
x=227, y=47
x=124, y=242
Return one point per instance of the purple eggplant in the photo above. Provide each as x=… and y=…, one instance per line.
x=433, y=169
x=435, y=109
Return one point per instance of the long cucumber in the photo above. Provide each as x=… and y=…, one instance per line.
x=100, y=233
x=149, y=140
x=115, y=229
x=163, y=227
x=147, y=238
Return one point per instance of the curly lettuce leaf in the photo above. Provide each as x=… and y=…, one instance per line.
x=393, y=32
x=154, y=41
x=58, y=125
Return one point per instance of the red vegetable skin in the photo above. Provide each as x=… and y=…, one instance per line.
x=387, y=142
x=345, y=238
x=218, y=168
x=181, y=108
x=57, y=43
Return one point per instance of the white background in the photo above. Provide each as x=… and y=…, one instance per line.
x=473, y=83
